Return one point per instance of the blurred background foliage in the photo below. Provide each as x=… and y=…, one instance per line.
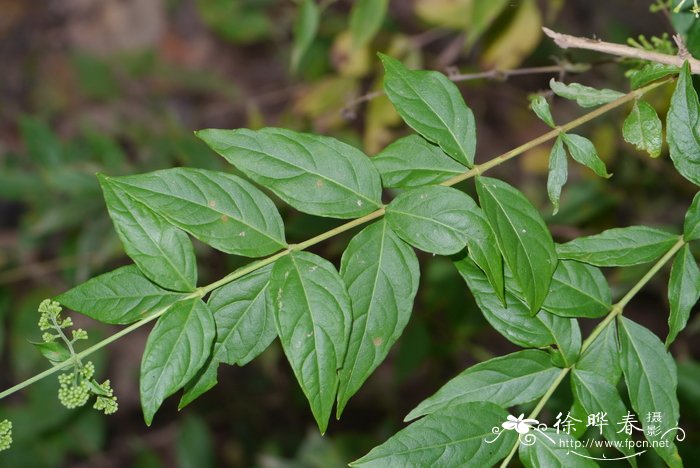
x=118, y=86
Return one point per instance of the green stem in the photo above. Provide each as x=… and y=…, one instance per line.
x=614, y=312
x=474, y=171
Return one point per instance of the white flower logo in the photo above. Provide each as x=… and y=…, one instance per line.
x=521, y=426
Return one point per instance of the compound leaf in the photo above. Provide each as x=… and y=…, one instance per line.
x=121, y=296
x=314, y=174
x=381, y=273
x=313, y=317
x=433, y=106
x=522, y=237
x=506, y=381
x=627, y=246
x=177, y=348
x=219, y=209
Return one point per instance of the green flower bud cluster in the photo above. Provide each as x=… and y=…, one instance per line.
x=77, y=385
x=5, y=435
x=106, y=401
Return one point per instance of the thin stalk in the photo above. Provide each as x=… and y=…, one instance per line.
x=615, y=310
x=480, y=168
x=474, y=171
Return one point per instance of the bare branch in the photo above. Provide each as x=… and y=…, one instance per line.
x=572, y=42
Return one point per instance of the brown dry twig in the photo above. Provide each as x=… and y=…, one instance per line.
x=566, y=41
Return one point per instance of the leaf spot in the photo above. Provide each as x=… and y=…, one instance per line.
x=212, y=203
x=224, y=218
x=359, y=202
x=377, y=341
x=319, y=183
x=241, y=234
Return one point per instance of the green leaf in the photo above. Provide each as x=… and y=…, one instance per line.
x=506, y=381
x=514, y=320
x=683, y=127
x=162, y=252
x=434, y=219
x=413, y=162
x=483, y=250
x=553, y=450
x=650, y=374
x=583, y=151
x=596, y=395
x=456, y=436
x=642, y=128
x=177, y=348
x=691, y=226
x=683, y=291
x=627, y=246
x=603, y=356
x=314, y=174
x=585, y=96
x=522, y=237
x=120, y=297
x=558, y=172
x=305, y=28
x=567, y=339
x=381, y=274
x=245, y=327
x=366, y=18
x=433, y=106
x=651, y=72
x=313, y=317
x=54, y=351
x=540, y=107
x=219, y=209
x=578, y=290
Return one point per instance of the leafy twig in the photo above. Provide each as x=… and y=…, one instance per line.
x=616, y=310
x=476, y=170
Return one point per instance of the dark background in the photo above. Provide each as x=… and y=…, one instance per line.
x=118, y=86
